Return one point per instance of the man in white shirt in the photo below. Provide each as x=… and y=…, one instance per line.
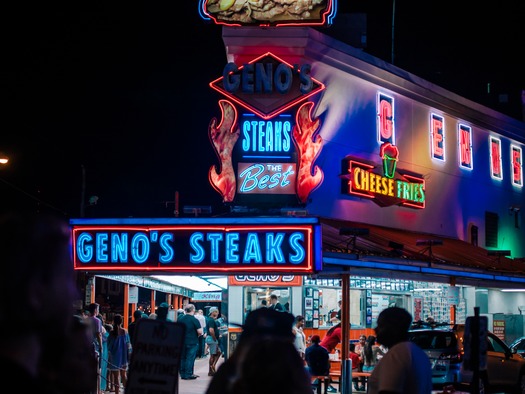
x=202, y=346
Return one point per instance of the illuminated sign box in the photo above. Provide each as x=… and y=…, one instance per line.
x=198, y=245
x=369, y=181
x=267, y=85
x=269, y=13
x=265, y=280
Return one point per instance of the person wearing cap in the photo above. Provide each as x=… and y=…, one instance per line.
x=212, y=339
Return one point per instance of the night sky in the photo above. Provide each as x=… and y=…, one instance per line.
x=121, y=91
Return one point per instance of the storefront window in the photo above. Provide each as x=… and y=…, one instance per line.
x=255, y=297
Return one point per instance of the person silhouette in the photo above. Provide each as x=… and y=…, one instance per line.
x=405, y=368
x=265, y=360
x=38, y=291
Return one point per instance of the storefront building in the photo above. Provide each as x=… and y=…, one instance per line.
x=348, y=179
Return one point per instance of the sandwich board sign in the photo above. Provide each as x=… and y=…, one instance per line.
x=155, y=357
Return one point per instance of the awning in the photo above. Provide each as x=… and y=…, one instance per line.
x=369, y=250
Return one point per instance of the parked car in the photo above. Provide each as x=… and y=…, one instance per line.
x=518, y=346
x=444, y=346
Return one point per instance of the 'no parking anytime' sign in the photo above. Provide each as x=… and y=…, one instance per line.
x=155, y=359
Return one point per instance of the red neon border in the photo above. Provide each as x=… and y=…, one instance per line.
x=215, y=86
x=372, y=196
x=305, y=268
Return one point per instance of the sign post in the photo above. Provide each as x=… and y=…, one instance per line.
x=155, y=359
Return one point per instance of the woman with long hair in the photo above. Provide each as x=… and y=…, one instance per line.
x=119, y=350
x=370, y=354
x=332, y=338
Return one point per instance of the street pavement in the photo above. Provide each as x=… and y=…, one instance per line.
x=199, y=385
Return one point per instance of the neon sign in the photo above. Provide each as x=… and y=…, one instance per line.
x=265, y=280
x=267, y=85
x=192, y=245
x=267, y=151
x=386, y=131
x=437, y=137
x=465, y=146
x=517, y=165
x=260, y=178
x=386, y=186
x=496, y=168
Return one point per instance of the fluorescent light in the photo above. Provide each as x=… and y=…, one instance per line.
x=512, y=290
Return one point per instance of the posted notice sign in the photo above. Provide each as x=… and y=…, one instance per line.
x=155, y=358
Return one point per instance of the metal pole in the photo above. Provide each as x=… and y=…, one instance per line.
x=83, y=192
x=474, y=351
x=393, y=20
x=346, y=366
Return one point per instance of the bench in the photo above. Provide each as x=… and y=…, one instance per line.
x=324, y=380
x=335, y=376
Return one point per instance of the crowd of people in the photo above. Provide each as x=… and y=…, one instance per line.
x=58, y=351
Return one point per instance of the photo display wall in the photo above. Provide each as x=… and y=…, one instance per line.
x=311, y=307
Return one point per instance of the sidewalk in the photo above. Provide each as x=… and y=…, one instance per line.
x=199, y=385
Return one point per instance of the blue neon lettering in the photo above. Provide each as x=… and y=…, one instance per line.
x=140, y=248
x=169, y=253
x=195, y=240
x=84, y=250
x=119, y=247
x=214, y=239
x=232, y=247
x=102, y=247
x=295, y=244
x=274, y=252
x=253, y=249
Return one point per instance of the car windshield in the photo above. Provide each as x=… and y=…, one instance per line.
x=429, y=340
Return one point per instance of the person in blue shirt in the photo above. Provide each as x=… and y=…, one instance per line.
x=317, y=360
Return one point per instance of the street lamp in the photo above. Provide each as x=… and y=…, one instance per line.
x=3, y=158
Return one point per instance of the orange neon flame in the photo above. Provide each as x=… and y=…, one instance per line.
x=223, y=138
x=308, y=149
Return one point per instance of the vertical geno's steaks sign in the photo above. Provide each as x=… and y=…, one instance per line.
x=267, y=139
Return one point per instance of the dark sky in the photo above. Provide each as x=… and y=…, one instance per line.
x=121, y=90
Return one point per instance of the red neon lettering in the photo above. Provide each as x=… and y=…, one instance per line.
x=437, y=137
x=516, y=165
x=386, y=123
x=465, y=147
x=496, y=163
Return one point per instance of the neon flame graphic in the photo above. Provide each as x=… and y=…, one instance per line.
x=223, y=138
x=308, y=148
